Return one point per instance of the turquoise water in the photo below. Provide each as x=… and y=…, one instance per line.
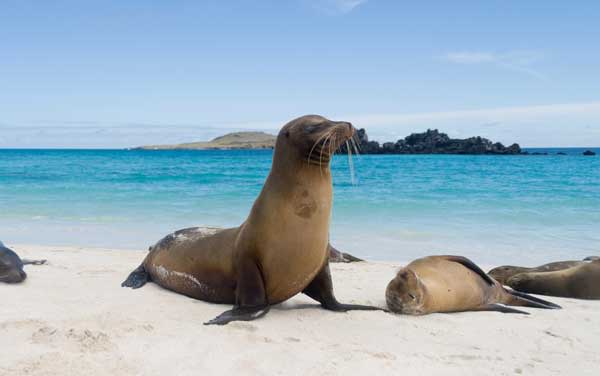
x=494, y=209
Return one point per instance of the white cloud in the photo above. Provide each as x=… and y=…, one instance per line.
x=336, y=6
x=518, y=61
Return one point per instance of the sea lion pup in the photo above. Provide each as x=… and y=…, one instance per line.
x=281, y=248
x=580, y=282
x=503, y=273
x=11, y=265
x=452, y=284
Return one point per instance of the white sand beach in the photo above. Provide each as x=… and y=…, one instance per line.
x=71, y=317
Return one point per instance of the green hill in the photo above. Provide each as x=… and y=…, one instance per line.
x=236, y=140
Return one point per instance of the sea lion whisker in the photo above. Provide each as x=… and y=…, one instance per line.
x=315, y=144
x=350, y=164
x=356, y=140
x=321, y=154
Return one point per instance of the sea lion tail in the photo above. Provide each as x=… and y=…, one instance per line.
x=138, y=278
x=516, y=298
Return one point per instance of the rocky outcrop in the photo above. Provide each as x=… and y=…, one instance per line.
x=432, y=142
x=589, y=153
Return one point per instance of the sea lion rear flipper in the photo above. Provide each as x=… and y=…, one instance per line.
x=137, y=278
x=321, y=290
x=33, y=262
x=501, y=308
x=471, y=266
x=250, y=296
x=516, y=298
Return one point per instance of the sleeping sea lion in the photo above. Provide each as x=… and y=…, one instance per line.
x=581, y=282
x=503, y=273
x=452, y=284
x=281, y=248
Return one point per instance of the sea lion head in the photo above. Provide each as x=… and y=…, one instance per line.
x=11, y=267
x=520, y=281
x=503, y=273
x=313, y=138
x=405, y=293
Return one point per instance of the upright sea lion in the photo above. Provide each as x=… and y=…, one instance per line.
x=581, y=282
x=11, y=265
x=281, y=248
x=452, y=284
x=503, y=273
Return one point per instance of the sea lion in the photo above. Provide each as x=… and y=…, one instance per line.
x=581, y=282
x=339, y=256
x=11, y=265
x=503, y=273
x=202, y=231
x=452, y=284
x=281, y=248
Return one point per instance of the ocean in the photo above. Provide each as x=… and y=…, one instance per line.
x=493, y=209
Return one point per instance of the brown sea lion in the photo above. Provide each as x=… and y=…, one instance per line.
x=281, y=248
x=581, y=282
x=11, y=265
x=197, y=232
x=503, y=273
x=452, y=284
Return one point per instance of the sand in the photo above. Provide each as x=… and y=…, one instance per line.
x=71, y=317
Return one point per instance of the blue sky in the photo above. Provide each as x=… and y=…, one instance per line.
x=118, y=73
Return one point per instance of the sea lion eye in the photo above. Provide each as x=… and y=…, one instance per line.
x=412, y=296
x=287, y=134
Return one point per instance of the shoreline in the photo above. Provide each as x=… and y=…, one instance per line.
x=71, y=316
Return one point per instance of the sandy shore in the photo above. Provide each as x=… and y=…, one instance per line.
x=71, y=317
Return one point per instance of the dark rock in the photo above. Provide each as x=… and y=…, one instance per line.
x=432, y=142
x=589, y=152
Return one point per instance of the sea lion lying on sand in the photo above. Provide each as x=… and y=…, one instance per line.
x=281, y=248
x=452, y=284
x=581, y=282
x=503, y=273
x=11, y=265
x=197, y=232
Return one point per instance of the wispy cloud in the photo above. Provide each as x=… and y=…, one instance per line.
x=517, y=61
x=336, y=6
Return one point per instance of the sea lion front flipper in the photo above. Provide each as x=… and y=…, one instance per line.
x=250, y=297
x=33, y=262
x=137, y=278
x=500, y=308
x=239, y=314
x=471, y=266
x=517, y=298
x=321, y=290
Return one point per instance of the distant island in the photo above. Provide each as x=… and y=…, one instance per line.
x=230, y=141
x=431, y=141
